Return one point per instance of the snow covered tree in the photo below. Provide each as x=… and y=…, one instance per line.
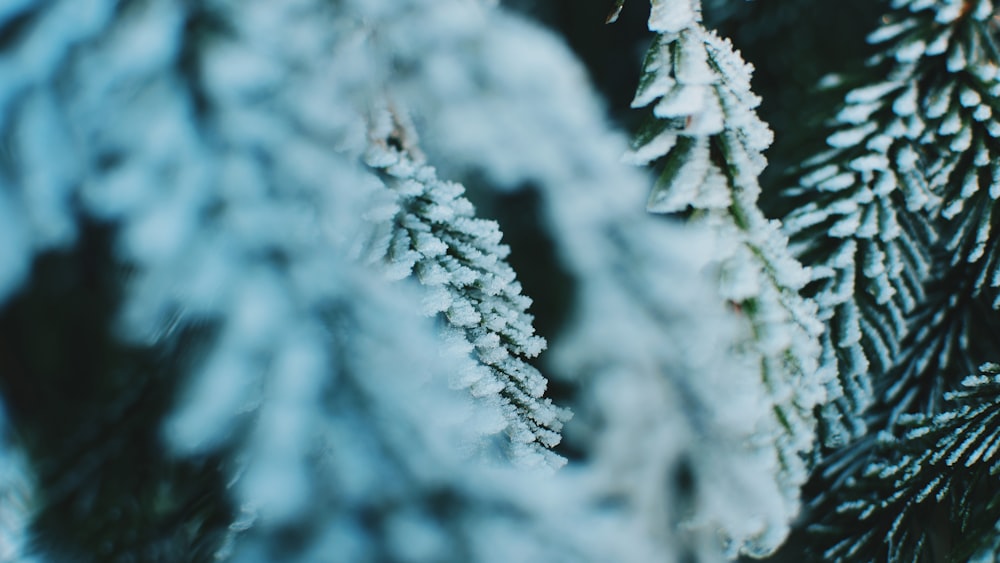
x=264, y=295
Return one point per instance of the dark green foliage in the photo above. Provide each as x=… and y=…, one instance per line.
x=895, y=216
x=902, y=186
x=928, y=491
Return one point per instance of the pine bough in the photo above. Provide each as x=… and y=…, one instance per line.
x=707, y=142
x=896, y=220
x=430, y=231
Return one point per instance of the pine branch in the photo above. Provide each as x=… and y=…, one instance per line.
x=954, y=331
x=433, y=234
x=939, y=472
x=989, y=548
x=896, y=220
x=672, y=398
x=708, y=144
x=961, y=143
x=912, y=147
x=868, y=262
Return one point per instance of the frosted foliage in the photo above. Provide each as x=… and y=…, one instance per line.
x=671, y=16
x=587, y=220
x=539, y=105
x=544, y=124
x=129, y=121
x=498, y=95
x=906, y=151
x=930, y=458
x=236, y=216
x=230, y=158
x=655, y=405
x=460, y=260
x=35, y=187
x=990, y=550
x=708, y=143
x=390, y=482
x=382, y=469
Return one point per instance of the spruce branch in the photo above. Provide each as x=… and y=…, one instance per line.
x=908, y=170
x=939, y=472
x=705, y=139
x=430, y=232
x=896, y=221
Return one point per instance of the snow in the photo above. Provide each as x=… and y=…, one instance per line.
x=868, y=163
x=682, y=101
x=962, y=141
x=948, y=12
x=838, y=183
x=657, y=81
x=48, y=182
x=940, y=44
x=818, y=175
x=206, y=205
x=910, y=51
x=672, y=16
x=221, y=389
x=652, y=150
x=956, y=60
x=906, y=103
x=851, y=137
x=15, y=252
x=247, y=217
x=969, y=98
x=872, y=93
x=982, y=11
x=859, y=113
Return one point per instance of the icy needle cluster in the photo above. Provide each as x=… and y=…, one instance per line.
x=707, y=143
x=429, y=230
